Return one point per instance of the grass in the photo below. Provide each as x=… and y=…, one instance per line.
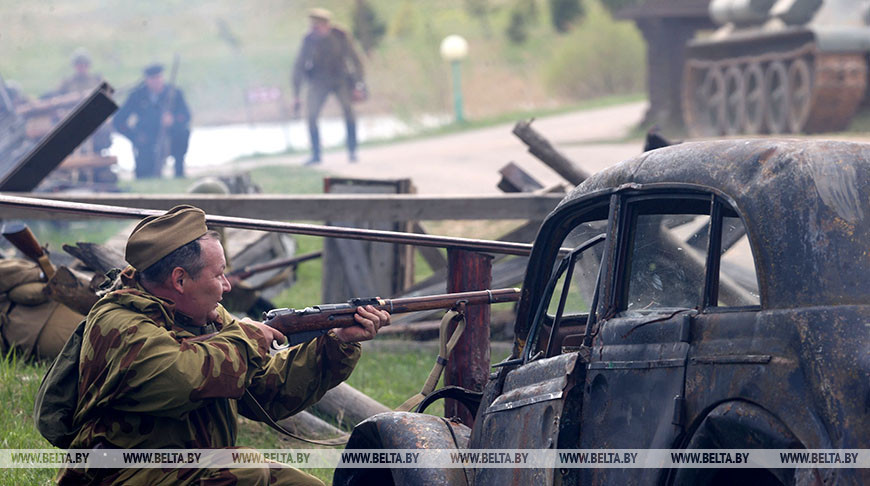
x=19, y=381
x=389, y=371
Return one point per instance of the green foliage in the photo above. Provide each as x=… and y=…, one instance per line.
x=614, y=6
x=404, y=22
x=368, y=28
x=601, y=57
x=563, y=13
x=480, y=10
x=523, y=15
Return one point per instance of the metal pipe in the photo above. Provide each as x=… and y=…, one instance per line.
x=63, y=207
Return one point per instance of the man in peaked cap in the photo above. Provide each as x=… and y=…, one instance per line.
x=162, y=124
x=164, y=366
x=329, y=64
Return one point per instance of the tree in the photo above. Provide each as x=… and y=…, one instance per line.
x=563, y=13
x=522, y=15
x=368, y=28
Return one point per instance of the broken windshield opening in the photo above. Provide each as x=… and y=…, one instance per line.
x=558, y=292
x=580, y=280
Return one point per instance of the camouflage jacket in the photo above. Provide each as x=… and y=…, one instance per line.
x=148, y=380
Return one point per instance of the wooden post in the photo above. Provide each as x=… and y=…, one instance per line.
x=469, y=365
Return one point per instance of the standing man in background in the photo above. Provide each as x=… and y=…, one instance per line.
x=82, y=79
x=328, y=63
x=161, y=127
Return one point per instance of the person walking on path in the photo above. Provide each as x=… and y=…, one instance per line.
x=329, y=64
x=161, y=117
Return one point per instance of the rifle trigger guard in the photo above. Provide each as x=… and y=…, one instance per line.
x=459, y=307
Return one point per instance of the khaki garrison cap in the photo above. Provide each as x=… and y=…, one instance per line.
x=157, y=236
x=320, y=14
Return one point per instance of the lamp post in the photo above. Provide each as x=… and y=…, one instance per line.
x=454, y=48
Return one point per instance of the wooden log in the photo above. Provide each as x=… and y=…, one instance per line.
x=67, y=289
x=347, y=406
x=308, y=426
x=541, y=148
x=515, y=179
x=99, y=258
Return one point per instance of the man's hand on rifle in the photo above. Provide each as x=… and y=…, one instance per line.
x=369, y=320
x=168, y=119
x=271, y=333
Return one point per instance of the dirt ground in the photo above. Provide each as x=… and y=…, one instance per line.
x=468, y=162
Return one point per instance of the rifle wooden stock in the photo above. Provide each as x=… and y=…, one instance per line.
x=321, y=318
x=20, y=235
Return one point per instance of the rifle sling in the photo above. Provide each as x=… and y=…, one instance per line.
x=263, y=416
x=445, y=350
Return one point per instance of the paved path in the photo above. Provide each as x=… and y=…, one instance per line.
x=468, y=162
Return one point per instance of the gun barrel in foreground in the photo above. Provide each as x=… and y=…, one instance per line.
x=304, y=324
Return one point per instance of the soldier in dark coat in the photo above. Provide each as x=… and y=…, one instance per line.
x=328, y=63
x=162, y=124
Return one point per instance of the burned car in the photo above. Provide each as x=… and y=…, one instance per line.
x=709, y=295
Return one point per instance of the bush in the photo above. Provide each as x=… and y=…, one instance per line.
x=523, y=14
x=614, y=6
x=367, y=26
x=563, y=13
x=601, y=57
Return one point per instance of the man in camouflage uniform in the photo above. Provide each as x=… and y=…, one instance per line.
x=164, y=365
x=329, y=63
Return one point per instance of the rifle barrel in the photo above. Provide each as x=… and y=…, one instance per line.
x=323, y=317
x=502, y=247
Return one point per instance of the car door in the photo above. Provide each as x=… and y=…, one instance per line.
x=635, y=379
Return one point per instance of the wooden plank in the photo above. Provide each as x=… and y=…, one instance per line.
x=356, y=270
x=433, y=256
x=325, y=207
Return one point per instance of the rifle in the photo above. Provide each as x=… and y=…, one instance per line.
x=22, y=238
x=303, y=325
x=240, y=274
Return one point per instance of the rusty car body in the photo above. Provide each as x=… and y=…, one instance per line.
x=726, y=308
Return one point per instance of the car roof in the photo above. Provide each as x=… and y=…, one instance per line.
x=805, y=204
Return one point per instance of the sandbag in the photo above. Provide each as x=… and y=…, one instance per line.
x=14, y=272
x=56, y=331
x=31, y=293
